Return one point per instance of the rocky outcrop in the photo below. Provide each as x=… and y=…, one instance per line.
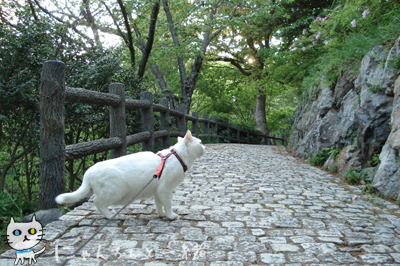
x=387, y=178
x=348, y=159
x=359, y=115
x=373, y=114
x=329, y=120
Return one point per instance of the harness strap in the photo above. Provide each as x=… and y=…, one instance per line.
x=160, y=168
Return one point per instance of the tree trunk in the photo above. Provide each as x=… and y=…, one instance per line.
x=2, y=180
x=259, y=112
x=52, y=145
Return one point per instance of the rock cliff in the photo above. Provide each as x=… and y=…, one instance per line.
x=359, y=115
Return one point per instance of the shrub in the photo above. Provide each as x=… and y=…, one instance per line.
x=334, y=168
x=332, y=150
x=375, y=161
x=318, y=159
x=354, y=177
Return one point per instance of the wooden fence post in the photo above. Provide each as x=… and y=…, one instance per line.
x=265, y=138
x=164, y=125
x=117, y=120
x=237, y=133
x=215, y=127
x=195, y=124
x=148, y=121
x=206, y=125
x=228, y=134
x=52, y=145
x=181, y=120
x=273, y=139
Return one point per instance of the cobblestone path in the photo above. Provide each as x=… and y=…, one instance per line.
x=239, y=205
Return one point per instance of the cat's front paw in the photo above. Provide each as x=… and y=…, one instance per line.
x=172, y=216
x=110, y=216
x=161, y=214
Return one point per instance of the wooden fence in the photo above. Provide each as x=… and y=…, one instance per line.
x=54, y=153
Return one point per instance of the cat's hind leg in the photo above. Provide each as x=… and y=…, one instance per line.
x=159, y=206
x=166, y=199
x=103, y=208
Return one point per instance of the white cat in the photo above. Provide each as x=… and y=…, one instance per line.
x=23, y=237
x=117, y=181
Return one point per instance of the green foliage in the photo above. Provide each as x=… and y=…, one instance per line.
x=332, y=150
x=15, y=208
x=343, y=35
x=27, y=43
x=354, y=177
x=318, y=159
x=375, y=161
x=395, y=62
x=375, y=89
x=334, y=168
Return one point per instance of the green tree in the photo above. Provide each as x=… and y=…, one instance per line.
x=174, y=36
x=248, y=45
x=27, y=41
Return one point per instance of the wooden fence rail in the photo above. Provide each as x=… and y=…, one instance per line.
x=54, y=153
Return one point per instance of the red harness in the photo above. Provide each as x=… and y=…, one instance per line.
x=160, y=169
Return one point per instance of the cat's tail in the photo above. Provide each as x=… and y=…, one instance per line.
x=72, y=197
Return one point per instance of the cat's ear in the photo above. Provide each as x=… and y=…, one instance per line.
x=33, y=218
x=188, y=137
x=12, y=220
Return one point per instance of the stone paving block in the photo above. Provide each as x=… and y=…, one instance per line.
x=210, y=256
x=358, y=241
x=244, y=257
x=396, y=257
x=232, y=224
x=137, y=230
x=376, y=258
x=273, y=240
x=344, y=257
x=191, y=263
x=284, y=248
x=303, y=258
x=250, y=246
x=334, y=240
x=301, y=239
x=226, y=263
x=376, y=248
x=269, y=258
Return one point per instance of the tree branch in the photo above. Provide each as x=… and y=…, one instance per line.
x=107, y=30
x=233, y=62
x=150, y=39
x=69, y=25
x=174, y=35
x=87, y=14
x=215, y=34
x=33, y=10
x=129, y=32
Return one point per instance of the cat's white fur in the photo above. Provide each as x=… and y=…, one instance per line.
x=117, y=181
